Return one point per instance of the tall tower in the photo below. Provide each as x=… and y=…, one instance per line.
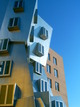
x=24, y=45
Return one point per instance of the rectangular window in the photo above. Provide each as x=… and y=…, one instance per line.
x=5, y=68
x=1, y=67
x=50, y=82
x=55, y=73
x=14, y=24
x=48, y=56
x=48, y=68
x=18, y=6
x=61, y=104
x=57, y=104
x=39, y=50
x=4, y=45
x=7, y=94
x=43, y=85
x=43, y=33
x=57, y=86
x=32, y=34
x=38, y=68
x=36, y=16
x=54, y=60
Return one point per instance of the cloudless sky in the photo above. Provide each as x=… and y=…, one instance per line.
x=64, y=17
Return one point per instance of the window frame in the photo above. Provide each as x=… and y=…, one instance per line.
x=4, y=68
x=18, y=8
x=49, y=82
x=55, y=72
x=13, y=27
x=38, y=68
x=6, y=49
x=48, y=68
x=44, y=88
x=57, y=87
x=43, y=33
x=54, y=60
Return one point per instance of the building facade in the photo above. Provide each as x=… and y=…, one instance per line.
x=24, y=46
x=55, y=74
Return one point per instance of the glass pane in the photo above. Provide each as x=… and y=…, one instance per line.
x=61, y=104
x=11, y=22
x=45, y=86
x=2, y=94
x=40, y=68
x=37, y=66
x=57, y=104
x=1, y=42
x=46, y=33
x=10, y=94
x=55, y=61
x=49, y=69
x=42, y=50
x=7, y=67
x=39, y=47
x=1, y=67
x=42, y=85
x=55, y=73
x=48, y=56
x=5, y=43
x=16, y=4
x=16, y=22
x=21, y=4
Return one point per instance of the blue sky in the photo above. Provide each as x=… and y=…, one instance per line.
x=64, y=17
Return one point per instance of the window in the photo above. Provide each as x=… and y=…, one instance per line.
x=61, y=104
x=56, y=86
x=7, y=94
x=36, y=16
x=5, y=68
x=55, y=73
x=43, y=85
x=50, y=82
x=14, y=24
x=39, y=50
x=18, y=6
x=54, y=60
x=48, y=68
x=56, y=104
x=43, y=33
x=4, y=45
x=48, y=56
x=38, y=68
x=32, y=34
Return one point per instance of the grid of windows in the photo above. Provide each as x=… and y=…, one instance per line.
x=14, y=24
x=43, y=85
x=50, y=82
x=48, y=68
x=18, y=6
x=5, y=68
x=57, y=86
x=38, y=68
x=55, y=73
x=54, y=60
